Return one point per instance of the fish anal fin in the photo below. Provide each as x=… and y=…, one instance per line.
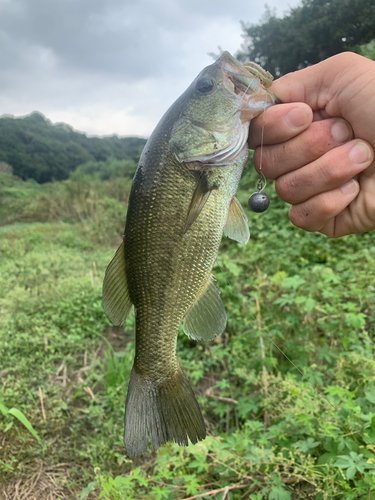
x=207, y=317
x=116, y=300
x=236, y=226
x=164, y=410
x=200, y=196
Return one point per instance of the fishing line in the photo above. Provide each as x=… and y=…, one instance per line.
x=260, y=173
x=259, y=201
x=261, y=176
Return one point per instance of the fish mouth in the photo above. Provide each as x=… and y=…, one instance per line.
x=248, y=82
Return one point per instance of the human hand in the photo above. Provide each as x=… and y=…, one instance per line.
x=320, y=146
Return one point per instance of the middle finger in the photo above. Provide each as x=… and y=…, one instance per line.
x=308, y=146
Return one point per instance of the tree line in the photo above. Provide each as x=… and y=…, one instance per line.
x=309, y=33
x=35, y=148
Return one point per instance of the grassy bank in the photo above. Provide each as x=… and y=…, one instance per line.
x=288, y=392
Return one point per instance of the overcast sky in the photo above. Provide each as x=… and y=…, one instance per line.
x=112, y=66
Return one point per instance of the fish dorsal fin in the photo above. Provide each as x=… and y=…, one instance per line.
x=198, y=200
x=207, y=317
x=236, y=226
x=116, y=300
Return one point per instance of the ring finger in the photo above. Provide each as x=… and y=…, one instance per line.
x=328, y=172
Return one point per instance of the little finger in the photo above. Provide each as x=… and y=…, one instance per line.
x=315, y=213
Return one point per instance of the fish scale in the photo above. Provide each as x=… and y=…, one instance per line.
x=181, y=202
x=161, y=307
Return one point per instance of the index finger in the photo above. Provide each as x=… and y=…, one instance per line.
x=281, y=123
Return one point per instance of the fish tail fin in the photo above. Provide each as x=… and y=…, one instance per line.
x=163, y=411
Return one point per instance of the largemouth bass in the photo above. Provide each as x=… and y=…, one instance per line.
x=182, y=200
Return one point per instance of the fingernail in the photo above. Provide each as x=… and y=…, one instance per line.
x=360, y=153
x=341, y=131
x=350, y=187
x=297, y=117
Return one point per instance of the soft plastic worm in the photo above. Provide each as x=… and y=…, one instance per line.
x=264, y=76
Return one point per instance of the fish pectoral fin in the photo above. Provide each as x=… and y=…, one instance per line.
x=116, y=300
x=198, y=200
x=236, y=226
x=207, y=317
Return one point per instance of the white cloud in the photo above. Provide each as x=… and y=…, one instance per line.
x=114, y=66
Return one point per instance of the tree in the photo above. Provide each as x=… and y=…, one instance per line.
x=368, y=50
x=35, y=148
x=311, y=32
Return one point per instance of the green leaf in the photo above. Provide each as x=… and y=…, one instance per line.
x=294, y=282
x=8, y=427
x=309, y=305
x=350, y=472
x=86, y=491
x=279, y=493
x=21, y=417
x=305, y=446
x=4, y=410
x=356, y=320
x=160, y=493
x=370, y=395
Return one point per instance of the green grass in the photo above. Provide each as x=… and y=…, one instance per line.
x=293, y=420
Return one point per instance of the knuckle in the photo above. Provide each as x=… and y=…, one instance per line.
x=287, y=187
x=335, y=168
x=319, y=140
x=298, y=216
x=347, y=58
x=331, y=172
x=313, y=214
x=274, y=158
x=323, y=207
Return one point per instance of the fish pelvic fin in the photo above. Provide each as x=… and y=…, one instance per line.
x=116, y=300
x=237, y=227
x=163, y=411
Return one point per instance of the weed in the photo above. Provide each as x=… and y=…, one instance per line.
x=289, y=417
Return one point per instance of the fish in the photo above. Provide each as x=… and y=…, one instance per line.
x=181, y=203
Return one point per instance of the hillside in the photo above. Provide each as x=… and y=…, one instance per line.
x=35, y=148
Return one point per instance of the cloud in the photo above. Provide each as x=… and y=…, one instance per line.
x=110, y=66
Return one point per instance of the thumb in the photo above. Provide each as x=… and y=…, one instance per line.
x=339, y=86
x=317, y=85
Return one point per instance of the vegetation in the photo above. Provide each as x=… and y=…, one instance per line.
x=288, y=392
x=36, y=149
x=368, y=50
x=311, y=32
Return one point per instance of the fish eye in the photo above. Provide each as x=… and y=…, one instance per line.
x=205, y=86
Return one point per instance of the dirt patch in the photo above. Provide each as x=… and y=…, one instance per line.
x=47, y=483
